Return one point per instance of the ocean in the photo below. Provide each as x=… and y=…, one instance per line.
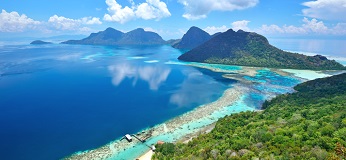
x=56, y=100
x=331, y=48
x=59, y=99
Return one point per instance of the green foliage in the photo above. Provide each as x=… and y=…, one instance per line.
x=293, y=126
x=251, y=49
x=166, y=149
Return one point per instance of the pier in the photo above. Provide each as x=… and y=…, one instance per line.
x=142, y=139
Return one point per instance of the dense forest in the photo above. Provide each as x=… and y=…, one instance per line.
x=251, y=49
x=307, y=124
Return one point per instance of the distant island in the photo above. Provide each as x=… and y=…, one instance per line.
x=40, y=42
x=251, y=49
x=173, y=41
x=111, y=36
x=192, y=38
x=230, y=48
x=307, y=124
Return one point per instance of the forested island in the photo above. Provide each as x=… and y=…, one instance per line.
x=307, y=124
x=251, y=49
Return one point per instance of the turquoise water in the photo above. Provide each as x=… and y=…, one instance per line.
x=60, y=99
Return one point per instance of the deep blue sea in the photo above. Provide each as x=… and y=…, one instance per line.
x=59, y=99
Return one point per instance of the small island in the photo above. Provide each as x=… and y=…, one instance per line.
x=40, y=42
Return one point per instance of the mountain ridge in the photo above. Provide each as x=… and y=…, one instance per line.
x=192, y=38
x=252, y=49
x=111, y=36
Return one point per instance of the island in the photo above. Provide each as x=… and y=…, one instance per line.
x=111, y=36
x=173, y=41
x=307, y=124
x=192, y=38
x=40, y=42
x=252, y=49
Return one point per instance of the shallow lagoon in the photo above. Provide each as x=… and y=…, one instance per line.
x=60, y=99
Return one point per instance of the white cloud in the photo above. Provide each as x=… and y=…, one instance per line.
x=197, y=9
x=326, y=9
x=270, y=29
x=340, y=28
x=314, y=26
x=13, y=22
x=117, y=13
x=151, y=9
x=150, y=29
x=63, y=23
x=90, y=20
x=240, y=25
x=309, y=26
x=212, y=29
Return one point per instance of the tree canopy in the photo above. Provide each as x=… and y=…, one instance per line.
x=307, y=124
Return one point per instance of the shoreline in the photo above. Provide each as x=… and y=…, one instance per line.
x=146, y=156
x=171, y=130
x=185, y=139
x=188, y=125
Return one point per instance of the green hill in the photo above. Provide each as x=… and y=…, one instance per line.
x=307, y=124
x=251, y=49
x=140, y=37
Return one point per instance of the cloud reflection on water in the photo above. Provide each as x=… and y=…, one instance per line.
x=154, y=75
x=195, y=89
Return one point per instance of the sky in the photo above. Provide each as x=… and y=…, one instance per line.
x=172, y=18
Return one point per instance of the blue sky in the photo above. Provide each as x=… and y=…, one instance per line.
x=172, y=18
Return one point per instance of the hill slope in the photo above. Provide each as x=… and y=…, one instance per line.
x=192, y=38
x=293, y=126
x=139, y=37
x=252, y=49
x=107, y=37
x=112, y=36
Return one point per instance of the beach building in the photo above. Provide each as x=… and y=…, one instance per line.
x=128, y=137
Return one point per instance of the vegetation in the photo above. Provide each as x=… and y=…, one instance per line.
x=251, y=49
x=307, y=124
